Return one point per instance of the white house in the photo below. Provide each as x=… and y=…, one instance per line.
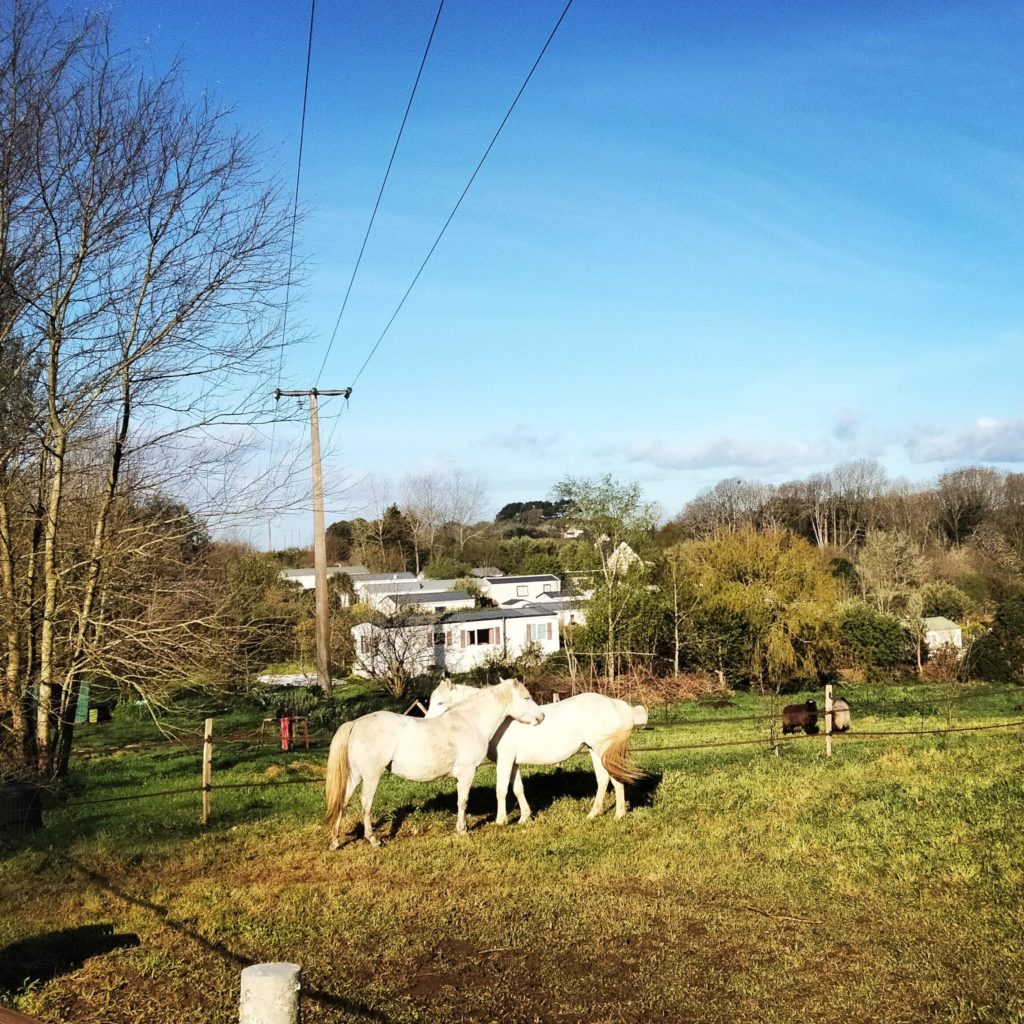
x=504, y=588
x=942, y=632
x=457, y=641
x=571, y=610
x=306, y=578
x=373, y=593
x=427, y=602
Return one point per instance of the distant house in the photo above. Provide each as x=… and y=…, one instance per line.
x=374, y=593
x=504, y=588
x=457, y=641
x=306, y=578
x=622, y=559
x=426, y=602
x=942, y=632
x=571, y=609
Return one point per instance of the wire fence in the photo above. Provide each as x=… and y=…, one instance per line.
x=770, y=740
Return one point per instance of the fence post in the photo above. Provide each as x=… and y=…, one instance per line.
x=270, y=994
x=828, y=719
x=207, y=768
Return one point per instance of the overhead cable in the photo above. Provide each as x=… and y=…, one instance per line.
x=380, y=193
x=295, y=213
x=472, y=178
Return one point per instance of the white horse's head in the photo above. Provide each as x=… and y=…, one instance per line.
x=522, y=707
x=639, y=714
x=440, y=699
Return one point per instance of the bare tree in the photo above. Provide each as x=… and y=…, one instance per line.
x=142, y=255
x=395, y=649
x=424, y=505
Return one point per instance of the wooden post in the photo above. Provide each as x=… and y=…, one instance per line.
x=323, y=621
x=828, y=719
x=270, y=994
x=323, y=625
x=207, y=768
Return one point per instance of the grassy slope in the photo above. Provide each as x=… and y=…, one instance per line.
x=884, y=885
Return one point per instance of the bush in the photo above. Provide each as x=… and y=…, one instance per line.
x=870, y=640
x=944, y=599
x=999, y=655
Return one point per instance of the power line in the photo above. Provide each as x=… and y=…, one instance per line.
x=472, y=178
x=380, y=193
x=295, y=214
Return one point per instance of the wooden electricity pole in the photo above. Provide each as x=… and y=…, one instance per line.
x=323, y=620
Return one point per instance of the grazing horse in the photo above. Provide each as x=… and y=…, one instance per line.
x=800, y=716
x=840, y=714
x=601, y=724
x=420, y=749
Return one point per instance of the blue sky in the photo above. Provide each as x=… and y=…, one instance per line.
x=728, y=239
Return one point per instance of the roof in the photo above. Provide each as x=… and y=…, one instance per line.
x=332, y=570
x=485, y=571
x=405, y=586
x=481, y=615
x=376, y=577
x=533, y=611
x=561, y=604
x=431, y=597
x=939, y=622
x=522, y=579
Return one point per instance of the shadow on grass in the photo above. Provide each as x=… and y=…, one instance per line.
x=220, y=949
x=44, y=957
x=543, y=789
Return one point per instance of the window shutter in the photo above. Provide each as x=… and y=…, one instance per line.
x=448, y=638
x=492, y=635
x=549, y=630
x=462, y=638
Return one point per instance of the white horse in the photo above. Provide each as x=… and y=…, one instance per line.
x=420, y=749
x=602, y=724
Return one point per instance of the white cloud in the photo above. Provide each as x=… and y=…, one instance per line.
x=847, y=425
x=988, y=440
x=723, y=452
x=520, y=438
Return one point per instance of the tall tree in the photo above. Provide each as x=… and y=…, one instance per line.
x=773, y=589
x=141, y=255
x=611, y=514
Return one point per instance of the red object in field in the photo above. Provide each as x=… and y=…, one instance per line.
x=285, y=732
x=290, y=726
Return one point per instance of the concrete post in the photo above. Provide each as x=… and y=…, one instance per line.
x=270, y=994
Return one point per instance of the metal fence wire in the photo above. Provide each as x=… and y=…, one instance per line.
x=771, y=740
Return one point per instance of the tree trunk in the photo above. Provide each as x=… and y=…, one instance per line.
x=49, y=688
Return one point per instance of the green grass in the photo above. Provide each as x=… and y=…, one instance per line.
x=881, y=885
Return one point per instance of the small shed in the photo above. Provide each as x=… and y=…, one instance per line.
x=942, y=632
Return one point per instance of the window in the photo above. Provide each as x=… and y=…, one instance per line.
x=480, y=637
x=439, y=638
x=439, y=608
x=522, y=590
x=538, y=631
x=548, y=588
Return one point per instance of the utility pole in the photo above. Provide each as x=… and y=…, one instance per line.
x=323, y=622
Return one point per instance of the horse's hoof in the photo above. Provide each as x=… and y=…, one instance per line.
x=373, y=840
x=335, y=844
x=528, y=820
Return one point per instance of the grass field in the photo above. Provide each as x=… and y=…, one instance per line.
x=885, y=884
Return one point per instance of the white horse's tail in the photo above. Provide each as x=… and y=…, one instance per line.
x=639, y=714
x=616, y=760
x=337, y=771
